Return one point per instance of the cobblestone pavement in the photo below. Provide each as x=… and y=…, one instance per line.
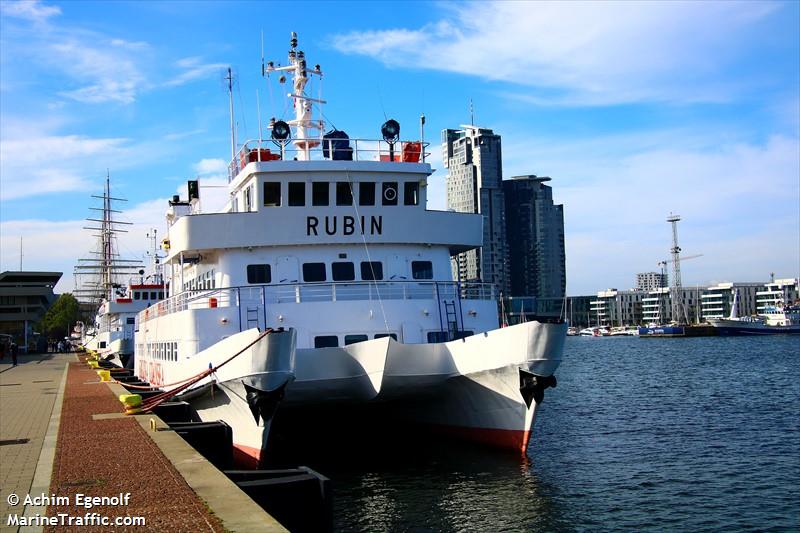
x=27, y=395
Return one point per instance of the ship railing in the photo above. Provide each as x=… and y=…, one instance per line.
x=261, y=151
x=318, y=292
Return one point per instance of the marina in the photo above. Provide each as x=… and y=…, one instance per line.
x=349, y=268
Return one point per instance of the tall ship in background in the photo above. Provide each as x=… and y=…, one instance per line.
x=116, y=287
x=330, y=236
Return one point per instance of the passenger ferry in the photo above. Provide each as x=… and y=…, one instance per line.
x=330, y=237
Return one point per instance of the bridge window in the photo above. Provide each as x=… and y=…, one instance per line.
x=130, y=320
x=314, y=272
x=154, y=295
x=326, y=341
x=136, y=295
x=421, y=269
x=382, y=335
x=297, y=193
x=437, y=336
x=248, y=199
x=343, y=271
x=371, y=270
x=411, y=193
x=320, y=193
x=366, y=193
x=259, y=274
x=352, y=339
x=272, y=193
x=389, y=193
x=344, y=195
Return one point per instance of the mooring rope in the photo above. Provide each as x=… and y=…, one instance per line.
x=158, y=399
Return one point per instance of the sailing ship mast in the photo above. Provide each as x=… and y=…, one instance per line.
x=104, y=271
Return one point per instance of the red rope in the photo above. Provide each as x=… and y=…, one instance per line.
x=158, y=399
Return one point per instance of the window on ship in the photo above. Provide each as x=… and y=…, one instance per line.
x=371, y=270
x=422, y=269
x=297, y=194
x=314, y=272
x=343, y=271
x=320, y=192
x=326, y=341
x=382, y=335
x=366, y=193
x=259, y=274
x=344, y=195
x=411, y=193
x=389, y=193
x=352, y=339
x=272, y=193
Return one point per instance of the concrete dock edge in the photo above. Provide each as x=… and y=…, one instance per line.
x=236, y=510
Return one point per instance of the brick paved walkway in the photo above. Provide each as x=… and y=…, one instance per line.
x=27, y=394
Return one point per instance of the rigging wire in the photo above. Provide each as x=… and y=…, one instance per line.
x=366, y=249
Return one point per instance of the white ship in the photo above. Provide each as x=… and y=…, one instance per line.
x=775, y=319
x=330, y=236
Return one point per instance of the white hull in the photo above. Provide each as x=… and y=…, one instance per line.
x=469, y=387
x=246, y=390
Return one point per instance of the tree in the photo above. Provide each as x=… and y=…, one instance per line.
x=62, y=315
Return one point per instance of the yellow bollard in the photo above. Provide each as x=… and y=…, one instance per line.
x=131, y=401
x=105, y=375
x=93, y=364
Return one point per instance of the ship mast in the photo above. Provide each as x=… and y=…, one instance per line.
x=107, y=267
x=303, y=108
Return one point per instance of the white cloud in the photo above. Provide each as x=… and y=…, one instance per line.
x=194, y=69
x=32, y=10
x=588, y=52
x=67, y=156
x=210, y=166
x=739, y=203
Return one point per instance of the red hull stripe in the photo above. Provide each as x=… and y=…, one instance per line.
x=246, y=456
x=513, y=439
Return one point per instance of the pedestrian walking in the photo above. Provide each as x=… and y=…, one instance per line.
x=14, y=351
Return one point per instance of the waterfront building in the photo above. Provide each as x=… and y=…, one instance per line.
x=473, y=159
x=613, y=307
x=535, y=239
x=650, y=281
x=717, y=300
x=657, y=305
x=578, y=311
x=777, y=291
x=25, y=297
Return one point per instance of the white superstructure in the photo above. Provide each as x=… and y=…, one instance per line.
x=330, y=237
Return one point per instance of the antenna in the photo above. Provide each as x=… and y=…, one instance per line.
x=229, y=79
x=263, y=69
x=471, y=113
x=422, y=134
x=258, y=111
x=20, y=253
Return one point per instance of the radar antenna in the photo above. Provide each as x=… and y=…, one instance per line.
x=303, y=109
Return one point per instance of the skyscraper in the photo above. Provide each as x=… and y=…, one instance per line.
x=535, y=236
x=472, y=157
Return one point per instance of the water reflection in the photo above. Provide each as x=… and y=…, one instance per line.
x=413, y=485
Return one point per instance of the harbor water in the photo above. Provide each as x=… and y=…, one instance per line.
x=699, y=434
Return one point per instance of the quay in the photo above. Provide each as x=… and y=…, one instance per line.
x=64, y=440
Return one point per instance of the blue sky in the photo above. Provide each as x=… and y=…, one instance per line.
x=634, y=109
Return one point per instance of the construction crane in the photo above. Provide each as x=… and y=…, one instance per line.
x=675, y=290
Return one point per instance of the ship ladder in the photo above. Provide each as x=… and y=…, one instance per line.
x=451, y=318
